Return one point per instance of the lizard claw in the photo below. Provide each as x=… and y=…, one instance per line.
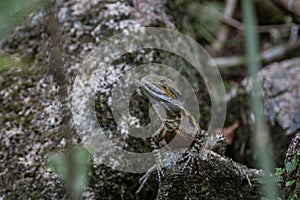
x=242, y=171
x=187, y=159
x=147, y=174
x=160, y=172
x=144, y=178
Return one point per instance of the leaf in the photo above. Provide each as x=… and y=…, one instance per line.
x=80, y=167
x=289, y=167
x=13, y=13
x=292, y=165
x=57, y=162
x=289, y=183
x=279, y=171
x=295, y=197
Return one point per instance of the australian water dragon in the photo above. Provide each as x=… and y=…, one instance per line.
x=168, y=101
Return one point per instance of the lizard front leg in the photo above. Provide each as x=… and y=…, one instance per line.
x=154, y=141
x=156, y=138
x=214, y=142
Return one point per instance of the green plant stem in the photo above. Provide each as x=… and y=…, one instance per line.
x=260, y=129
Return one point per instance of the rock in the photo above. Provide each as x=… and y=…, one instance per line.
x=210, y=176
x=281, y=87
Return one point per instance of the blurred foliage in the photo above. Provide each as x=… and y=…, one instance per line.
x=13, y=13
x=251, y=41
x=204, y=26
x=77, y=160
x=275, y=15
x=8, y=62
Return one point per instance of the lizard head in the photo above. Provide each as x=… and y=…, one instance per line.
x=161, y=90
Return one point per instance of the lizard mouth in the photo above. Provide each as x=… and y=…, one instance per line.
x=150, y=88
x=154, y=92
x=157, y=94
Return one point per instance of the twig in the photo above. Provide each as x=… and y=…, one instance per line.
x=223, y=31
x=238, y=25
x=292, y=6
x=266, y=56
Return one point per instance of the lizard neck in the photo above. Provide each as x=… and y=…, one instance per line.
x=182, y=119
x=172, y=120
x=171, y=124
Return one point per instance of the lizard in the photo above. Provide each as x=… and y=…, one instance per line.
x=168, y=103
